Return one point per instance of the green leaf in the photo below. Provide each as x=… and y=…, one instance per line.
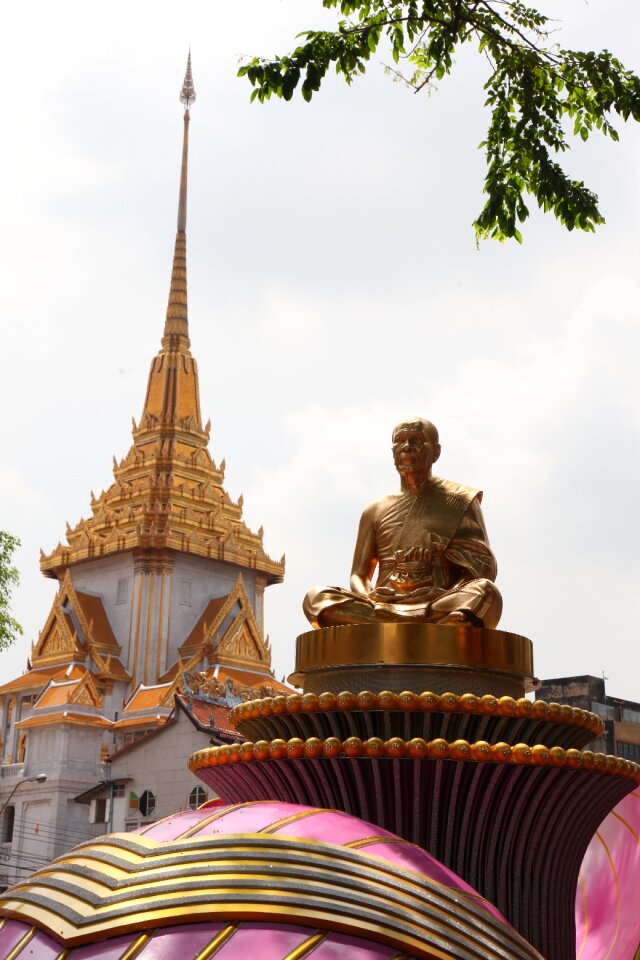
x=533, y=89
x=9, y=578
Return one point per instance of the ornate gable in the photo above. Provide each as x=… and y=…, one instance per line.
x=241, y=641
x=77, y=627
x=70, y=691
x=58, y=641
x=86, y=693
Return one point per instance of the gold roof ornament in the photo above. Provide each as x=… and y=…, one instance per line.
x=167, y=492
x=176, y=332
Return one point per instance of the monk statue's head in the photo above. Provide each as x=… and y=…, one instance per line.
x=416, y=448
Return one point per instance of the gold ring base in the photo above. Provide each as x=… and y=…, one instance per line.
x=426, y=656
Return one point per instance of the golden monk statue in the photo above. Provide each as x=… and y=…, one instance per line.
x=429, y=544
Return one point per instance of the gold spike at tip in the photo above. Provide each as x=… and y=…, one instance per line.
x=176, y=325
x=188, y=93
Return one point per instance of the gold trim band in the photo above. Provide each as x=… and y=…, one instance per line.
x=426, y=702
x=416, y=749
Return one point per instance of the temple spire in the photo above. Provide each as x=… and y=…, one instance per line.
x=187, y=97
x=176, y=328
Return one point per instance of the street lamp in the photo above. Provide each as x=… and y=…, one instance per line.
x=39, y=779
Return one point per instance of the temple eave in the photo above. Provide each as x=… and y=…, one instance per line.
x=169, y=427
x=56, y=563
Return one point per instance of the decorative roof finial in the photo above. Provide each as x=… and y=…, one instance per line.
x=176, y=325
x=188, y=93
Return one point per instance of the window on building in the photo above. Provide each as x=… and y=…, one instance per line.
x=122, y=594
x=603, y=710
x=197, y=797
x=132, y=737
x=118, y=790
x=632, y=716
x=8, y=821
x=147, y=803
x=100, y=810
x=629, y=751
x=184, y=595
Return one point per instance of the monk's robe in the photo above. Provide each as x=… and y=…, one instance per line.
x=434, y=561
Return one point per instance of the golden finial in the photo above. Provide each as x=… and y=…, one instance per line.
x=188, y=93
x=187, y=97
x=176, y=323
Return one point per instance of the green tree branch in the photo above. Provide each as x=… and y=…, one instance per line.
x=536, y=91
x=10, y=629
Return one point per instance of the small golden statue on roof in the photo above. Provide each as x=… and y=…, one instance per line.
x=429, y=544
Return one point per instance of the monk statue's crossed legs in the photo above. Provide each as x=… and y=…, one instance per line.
x=476, y=601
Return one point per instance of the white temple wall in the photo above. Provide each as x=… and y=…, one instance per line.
x=110, y=578
x=159, y=765
x=47, y=821
x=152, y=613
x=198, y=580
x=62, y=749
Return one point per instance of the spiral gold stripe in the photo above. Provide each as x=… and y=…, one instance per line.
x=21, y=944
x=426, y=702
x=218, y=812
x=304, y=949
x=274, y=827
x=585, y=907
x=627, y=825
x=136, y=947
x=617, y=886
x=220, y=939
x=416, y=749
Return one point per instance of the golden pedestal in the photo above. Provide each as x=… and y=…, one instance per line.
x=414, y=656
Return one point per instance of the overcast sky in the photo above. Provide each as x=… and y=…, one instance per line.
x=335, y=287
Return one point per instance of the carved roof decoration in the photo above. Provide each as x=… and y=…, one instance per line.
x=231, y=686
x=167, y=493
x=78, y=630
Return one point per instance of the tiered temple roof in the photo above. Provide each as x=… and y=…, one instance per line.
x=167, y=498
x=167, y=492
